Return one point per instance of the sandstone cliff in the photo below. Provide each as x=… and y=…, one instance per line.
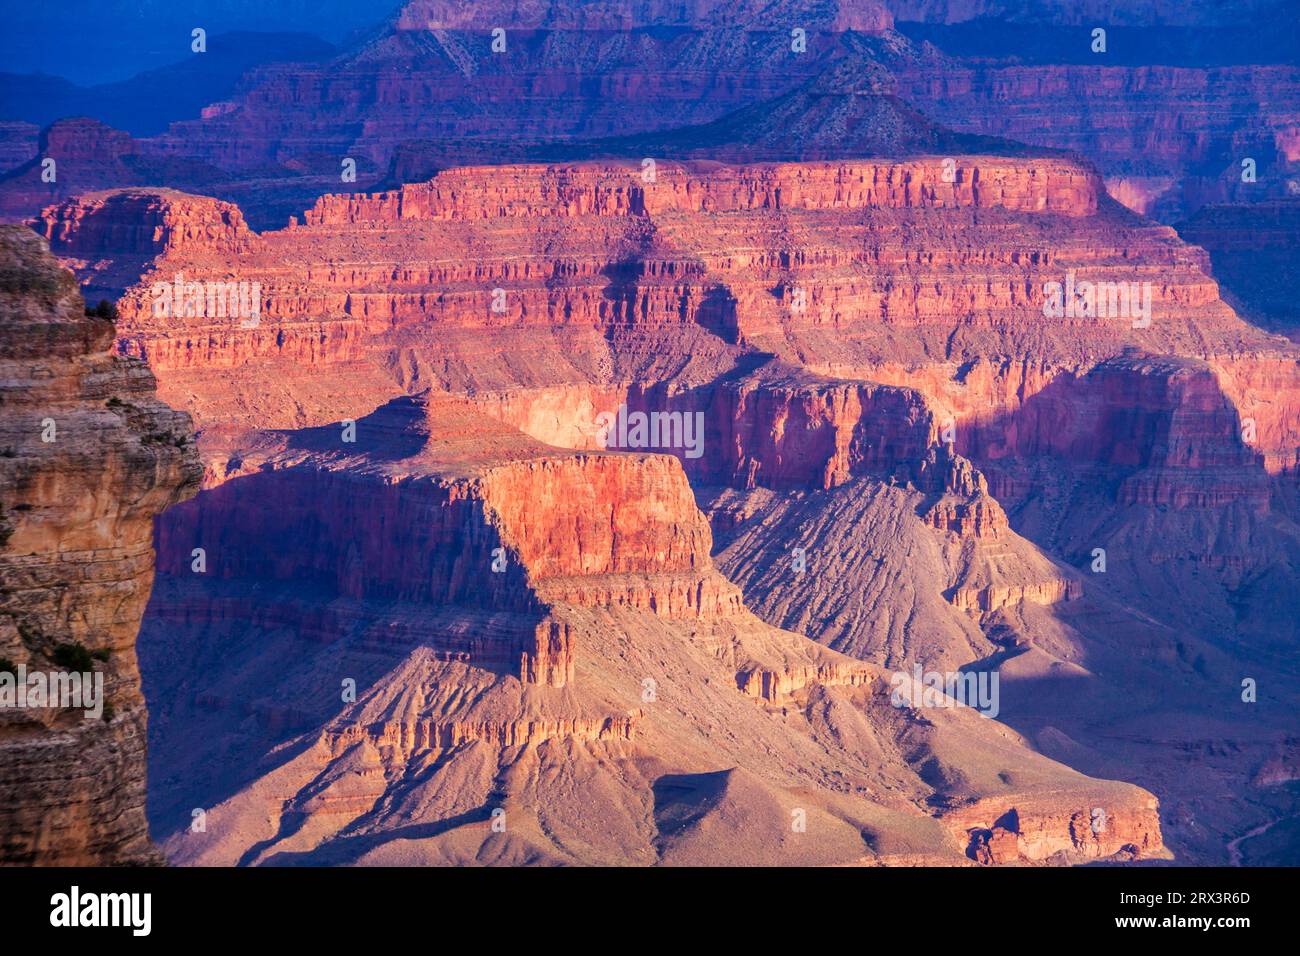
x=89, y=456
x=89, y=155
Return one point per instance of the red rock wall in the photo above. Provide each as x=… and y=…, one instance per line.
x=1152, y=120
x=143, y=222
x=1164, y=424
x=617, y=190
x=1043, y=830
x=801, y=432
x=857, y=271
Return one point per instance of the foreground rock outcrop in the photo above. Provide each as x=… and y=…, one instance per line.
x=88, y=456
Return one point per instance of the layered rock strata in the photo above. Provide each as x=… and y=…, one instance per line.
x=88, y=457
x=875, y=346
x=537, y=641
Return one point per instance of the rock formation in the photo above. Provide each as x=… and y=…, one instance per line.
x=1172, y=104
x=88, y=155
x=88, y=456
x=674, y=384
x=434, y=88
x=948, y=382
x=1252, y=247
x=512, y=653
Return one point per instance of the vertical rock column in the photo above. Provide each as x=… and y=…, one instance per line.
x=88, y=456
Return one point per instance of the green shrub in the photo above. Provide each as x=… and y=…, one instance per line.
x=104, y=310
x=73, y=657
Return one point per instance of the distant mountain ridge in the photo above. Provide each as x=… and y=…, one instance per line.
x=145, y=104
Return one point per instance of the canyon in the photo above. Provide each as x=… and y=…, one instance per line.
x=432, y=88
x=415, y=605
x=570, y=680
x=880, y=391
x=1168, y=138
